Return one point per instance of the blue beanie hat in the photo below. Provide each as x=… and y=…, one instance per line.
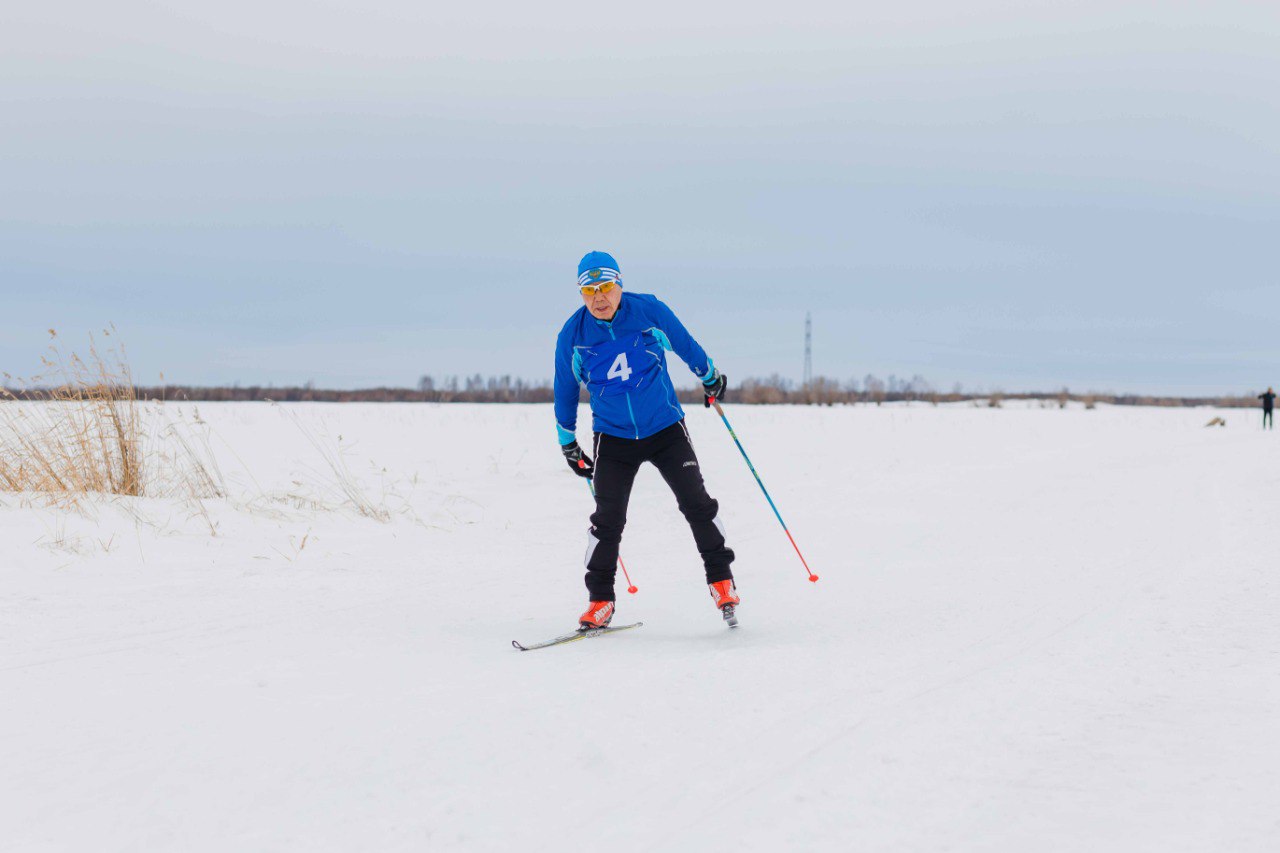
x=597, y=267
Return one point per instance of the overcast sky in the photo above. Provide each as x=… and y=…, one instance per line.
x=1011, y=195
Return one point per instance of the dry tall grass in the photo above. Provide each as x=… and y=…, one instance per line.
x=343, y=482
x=78, y=431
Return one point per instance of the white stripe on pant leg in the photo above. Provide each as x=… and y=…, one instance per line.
x=720, y=526
x=592, y=544
x=689, y=439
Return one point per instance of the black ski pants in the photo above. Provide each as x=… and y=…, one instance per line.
x=1268, y=420
x=617, y=462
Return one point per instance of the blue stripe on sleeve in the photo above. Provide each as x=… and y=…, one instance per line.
x=710, y=378
x=566, y=380
x=683, y=343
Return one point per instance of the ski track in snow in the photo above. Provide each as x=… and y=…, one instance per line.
x=1035, y=630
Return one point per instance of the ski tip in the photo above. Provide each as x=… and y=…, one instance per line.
x=516, y=645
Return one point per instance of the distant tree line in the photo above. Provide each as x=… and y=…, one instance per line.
x=772, y=390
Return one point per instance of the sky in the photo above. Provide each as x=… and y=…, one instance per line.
x=1007, y=195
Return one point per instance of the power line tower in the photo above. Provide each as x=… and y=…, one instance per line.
x=808, y=349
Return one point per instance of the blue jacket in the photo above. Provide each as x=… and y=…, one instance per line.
x=623, y=364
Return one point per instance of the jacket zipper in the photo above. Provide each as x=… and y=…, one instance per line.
x=634, y=426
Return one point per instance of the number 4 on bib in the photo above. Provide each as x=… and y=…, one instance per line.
x=620, y=369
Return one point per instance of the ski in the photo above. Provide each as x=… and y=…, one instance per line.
x=580, y=634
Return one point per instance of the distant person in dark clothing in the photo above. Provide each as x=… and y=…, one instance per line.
x=1268, y=403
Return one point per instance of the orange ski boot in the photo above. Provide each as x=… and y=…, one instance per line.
x=727, y=601
x=598, y=615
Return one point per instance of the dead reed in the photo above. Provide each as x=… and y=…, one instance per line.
x=343, y=483
x=79, y=429
x=75, y=428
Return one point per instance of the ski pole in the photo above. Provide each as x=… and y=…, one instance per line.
x=591, y=484
x=772, y=505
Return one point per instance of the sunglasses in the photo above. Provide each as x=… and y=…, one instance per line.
x=603, y=287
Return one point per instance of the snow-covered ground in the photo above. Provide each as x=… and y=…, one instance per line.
x=1035, y=630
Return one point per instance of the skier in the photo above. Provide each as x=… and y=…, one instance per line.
x=615, y=345
x=1268, y=404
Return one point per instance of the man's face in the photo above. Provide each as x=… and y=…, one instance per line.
x=603, y=305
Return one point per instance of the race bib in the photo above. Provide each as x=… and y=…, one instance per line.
x=627, y=364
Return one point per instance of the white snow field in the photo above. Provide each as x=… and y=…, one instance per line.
x=1036, y=630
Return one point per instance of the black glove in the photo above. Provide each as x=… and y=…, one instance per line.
x=579, y=462
x=716, y=388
